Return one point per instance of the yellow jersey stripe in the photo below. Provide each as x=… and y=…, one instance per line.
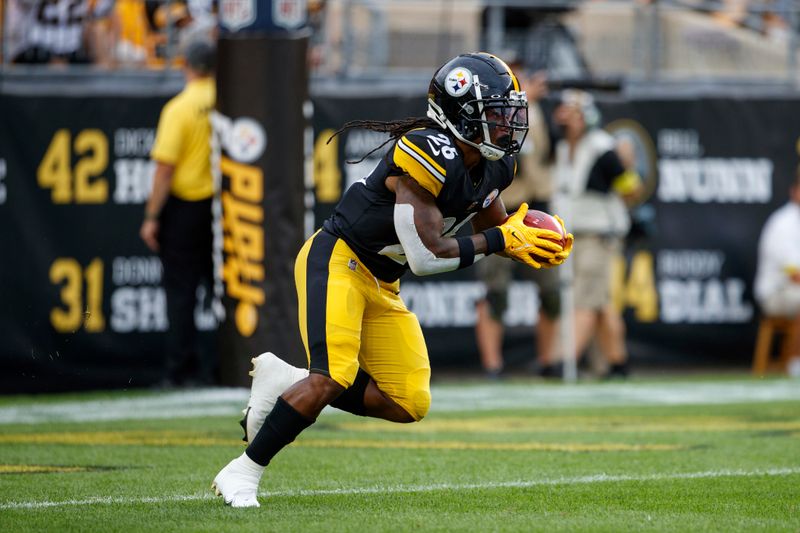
x=425, y=156
x=416, y=170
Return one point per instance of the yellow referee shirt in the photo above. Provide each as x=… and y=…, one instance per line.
x=183, y=139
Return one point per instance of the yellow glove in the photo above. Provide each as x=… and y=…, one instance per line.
x=521, y=241
x=561, y=256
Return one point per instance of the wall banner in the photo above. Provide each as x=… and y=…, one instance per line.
x=714, y=168
x=80, y=299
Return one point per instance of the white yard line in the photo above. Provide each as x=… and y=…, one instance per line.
x=531, y=396
x=580, y=480
x=446, y=398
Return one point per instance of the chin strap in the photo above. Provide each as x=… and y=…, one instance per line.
x=492, y=154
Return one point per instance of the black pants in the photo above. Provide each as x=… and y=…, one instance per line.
x=185, y=240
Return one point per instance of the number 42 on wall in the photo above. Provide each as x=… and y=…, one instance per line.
x=83, y=183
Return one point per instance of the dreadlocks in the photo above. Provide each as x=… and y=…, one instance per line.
x=395, y=129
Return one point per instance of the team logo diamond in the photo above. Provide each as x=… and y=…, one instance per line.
x=458, y=81
x=289, y=13
x=236, y=14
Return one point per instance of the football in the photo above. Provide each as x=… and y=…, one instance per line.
x=540, y=219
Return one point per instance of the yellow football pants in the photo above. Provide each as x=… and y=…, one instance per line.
x=350, y=319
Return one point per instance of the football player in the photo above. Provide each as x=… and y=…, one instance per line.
x=366, y=351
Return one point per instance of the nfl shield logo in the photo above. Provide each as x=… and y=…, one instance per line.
x=289, y=14
x=236, y=14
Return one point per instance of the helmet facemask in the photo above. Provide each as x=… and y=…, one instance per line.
x=503, y=123
x=495, y=125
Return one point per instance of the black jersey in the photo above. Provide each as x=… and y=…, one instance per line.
x=364, y=218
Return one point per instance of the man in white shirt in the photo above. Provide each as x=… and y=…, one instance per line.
x=777, y=284
x=593, y=185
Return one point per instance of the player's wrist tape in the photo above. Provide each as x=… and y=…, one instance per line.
x=466, y=251
x=494, y=240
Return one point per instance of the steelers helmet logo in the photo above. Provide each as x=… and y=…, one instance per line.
x=458, y=81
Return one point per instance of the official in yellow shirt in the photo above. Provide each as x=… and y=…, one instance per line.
x=177, y=218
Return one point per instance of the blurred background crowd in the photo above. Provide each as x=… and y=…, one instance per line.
x=571, y=39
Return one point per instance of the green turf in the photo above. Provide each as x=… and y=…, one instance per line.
x=732, y=467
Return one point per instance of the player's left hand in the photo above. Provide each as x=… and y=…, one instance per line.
x=530, y=245
x=569, y=240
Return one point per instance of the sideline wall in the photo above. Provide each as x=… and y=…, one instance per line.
x=82, y=306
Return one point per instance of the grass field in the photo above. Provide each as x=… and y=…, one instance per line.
x=658, y=455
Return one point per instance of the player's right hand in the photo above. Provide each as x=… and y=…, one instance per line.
x=149, y=234
x=521, y=241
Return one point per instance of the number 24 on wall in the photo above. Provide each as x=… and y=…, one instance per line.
x=70, y=184
x=72, y=313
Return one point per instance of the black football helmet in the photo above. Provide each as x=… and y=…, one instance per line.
x=476, y=95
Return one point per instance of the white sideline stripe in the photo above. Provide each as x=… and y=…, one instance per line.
x=446, y=398
x=597, y=478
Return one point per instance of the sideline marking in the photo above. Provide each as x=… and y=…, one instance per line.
x=504, y=446
x=118, y=438
x=596, y=478
x=576, y=424
x=172, y=438
x=446, y=398
x=42, y=469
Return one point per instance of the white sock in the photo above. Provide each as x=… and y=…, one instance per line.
x=250, y=465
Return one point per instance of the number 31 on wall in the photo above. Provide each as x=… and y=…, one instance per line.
x=72, y=313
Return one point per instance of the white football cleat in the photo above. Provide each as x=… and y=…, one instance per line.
x=271, y=376
x=237, y=483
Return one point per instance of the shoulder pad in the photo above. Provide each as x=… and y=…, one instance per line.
x=424, y=155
